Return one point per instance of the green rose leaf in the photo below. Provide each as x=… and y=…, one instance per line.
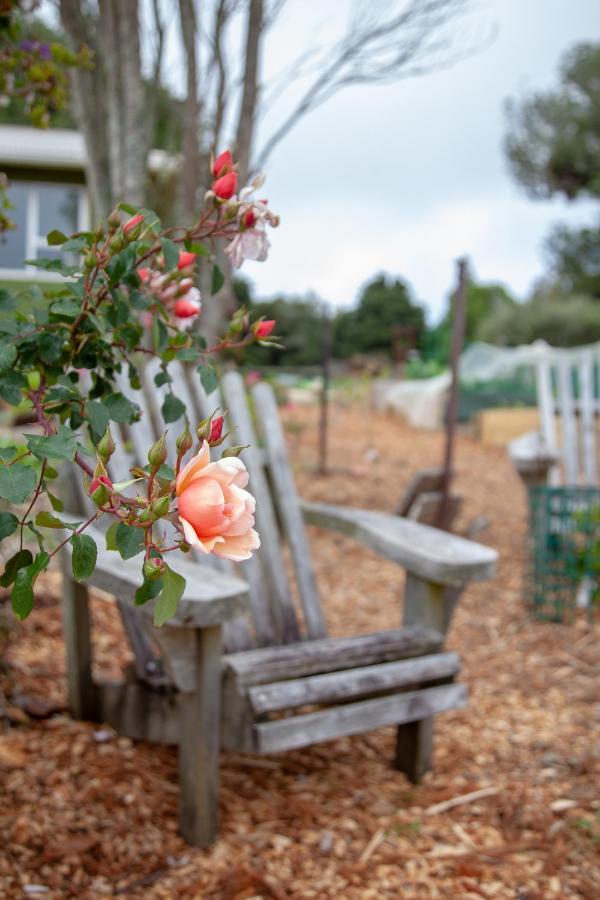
x=8, y=354
x=120, y=409
x=7, y=453
x=51, y=346
x=56, y=238
x=45, y=519
x=208, y=378
x=171, y=254
x=148, y=591
x=217, y=280
x=172, y=591
x=172, y=408
x=11, y=385
x=8, y=524
x=162, y=378
x=129, y=541
x=8, y=302
x=198, y=249
x=22, y=592
x=19, y=561
x=84, y=556
x=56, y=446
x=98, y=416
x=17, y=482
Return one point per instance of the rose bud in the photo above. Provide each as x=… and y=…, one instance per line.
x=185, y=308
x=264, y=328
x=249, y=219
x=223, y=164
x=186, y=259
x=100, y=490
x=225, y=187
x=97, y=482
x=216, y=430
x=153, y=568
x=144, y=274
x=133, y=227
x=216, y=513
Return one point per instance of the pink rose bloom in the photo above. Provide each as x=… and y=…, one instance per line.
x=215, y=511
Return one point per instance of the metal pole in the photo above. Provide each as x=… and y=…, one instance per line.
x=324, y=402
x=458, y=333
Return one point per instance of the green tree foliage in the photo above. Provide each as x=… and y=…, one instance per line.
x=386, y=313
x=574, y=257
x=546, y=315
x=553, y=143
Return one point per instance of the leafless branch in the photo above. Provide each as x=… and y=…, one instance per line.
x=381, y=44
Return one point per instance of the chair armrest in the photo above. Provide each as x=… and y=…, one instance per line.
x=428, y=553
x=210, y=597
x=531, y=457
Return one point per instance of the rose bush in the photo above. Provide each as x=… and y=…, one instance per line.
x=130, y=293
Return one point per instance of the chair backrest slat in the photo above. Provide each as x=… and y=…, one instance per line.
x=277, y=596
x=567, y=413
x=289, y=507
x=587, y=414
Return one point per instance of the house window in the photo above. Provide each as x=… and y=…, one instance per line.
x=39, y=208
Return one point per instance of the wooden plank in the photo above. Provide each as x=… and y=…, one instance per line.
x=545, y=401
x=588, y=420
x=414, y=749
x=352, y=683
x=82, y=693
x=330, y=654
x=277, y=597
x=288, y=506
x=355, y=718
x=426, y=508
x=422, y=482
x=569, y=427
x=209, y=598
x=138, y=711
x=429, y=553
x=200, y=717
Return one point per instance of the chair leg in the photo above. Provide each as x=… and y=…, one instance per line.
x=414, y=749
x=83, y=695
x=200, y=732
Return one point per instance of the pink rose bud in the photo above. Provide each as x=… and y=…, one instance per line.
x=132, y=224
x=225, y=187
x=264, y=329
x=144, y=274
x=185, y=308
x=249, y=219
x=216, y=430
x=101, y=480
x=223, y=164
x=186, y=259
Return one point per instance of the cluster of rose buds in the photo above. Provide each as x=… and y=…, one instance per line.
x=250, y=215
x=176, y=289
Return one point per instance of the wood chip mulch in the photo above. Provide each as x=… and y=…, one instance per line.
x=512, y=809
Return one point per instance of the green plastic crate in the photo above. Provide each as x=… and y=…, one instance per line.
x=565, y=549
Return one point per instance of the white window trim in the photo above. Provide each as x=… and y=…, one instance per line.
x=35, y=241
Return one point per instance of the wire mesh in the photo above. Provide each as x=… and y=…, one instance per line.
x=564, y=570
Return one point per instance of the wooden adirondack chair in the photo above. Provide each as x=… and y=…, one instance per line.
x=253, y=697
x=567, y=383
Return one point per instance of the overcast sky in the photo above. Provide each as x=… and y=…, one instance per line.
x=405, y=178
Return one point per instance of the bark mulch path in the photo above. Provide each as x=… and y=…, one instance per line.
x=88, y=814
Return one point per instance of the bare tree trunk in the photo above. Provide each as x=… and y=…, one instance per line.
x=135, y=138
x=90, y=108
x=110, y=101
x=247, y=116
x=190, y=176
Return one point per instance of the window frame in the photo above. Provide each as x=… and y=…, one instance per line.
x=34, y=240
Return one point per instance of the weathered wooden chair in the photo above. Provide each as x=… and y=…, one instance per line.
x=559, y=464
x=568, y=394
x=254, y=697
